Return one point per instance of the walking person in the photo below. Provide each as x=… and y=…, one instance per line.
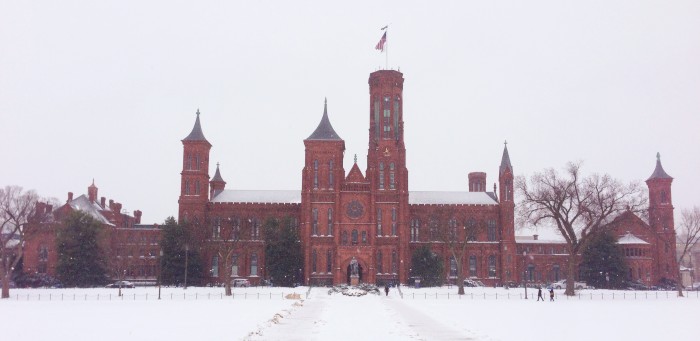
x=551, y=294
x=539, y=294
x=386, y=289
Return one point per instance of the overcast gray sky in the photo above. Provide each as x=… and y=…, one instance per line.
x=107, y=89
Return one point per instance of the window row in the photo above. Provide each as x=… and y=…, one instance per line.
x=380, y=221
x=473, y=266
x=451, y=230
x=192, y=162
x=331, y=179
x=192, y=187
x=393, y=265
x=235, y=265
x=315, y=261
x=635, y=252
x=386, y=124
x=233, y=229
x=392, y=176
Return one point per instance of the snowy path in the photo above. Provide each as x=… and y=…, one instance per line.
x=371, y=317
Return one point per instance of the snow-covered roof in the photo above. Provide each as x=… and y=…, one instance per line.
x=83, y=204
x=532, y=240
x=259, y=196
x=629, y=238
x=450, y=198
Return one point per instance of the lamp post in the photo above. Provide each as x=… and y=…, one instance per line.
x=187, y=252
x=525, y=272
x=160, y=270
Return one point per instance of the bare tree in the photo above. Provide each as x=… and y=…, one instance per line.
x=17, y=209
x=457, y=233
x=688, y=236
x=228, y=236
x=578, y=206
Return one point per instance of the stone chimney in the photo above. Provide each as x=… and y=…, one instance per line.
x=118, y=207
x=535, y=236
x=111, y=204
x=70, y=197
x=102, y=202
x=137, y=216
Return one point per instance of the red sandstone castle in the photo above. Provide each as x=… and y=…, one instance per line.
x=374, y=218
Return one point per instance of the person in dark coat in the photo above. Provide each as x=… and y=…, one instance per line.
x=386, y=289
x=539, y=294
x=551, y=294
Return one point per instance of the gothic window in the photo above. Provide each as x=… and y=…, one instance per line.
x=254, y=264
x=344, y=238
x=472, y=266
x=392, y=185
x=314, y=223
x=215, y=266
x=394, y=267
x=255, y=229
x=492, y=266
x=380, y=268
x=507, y=190
x=235, y=228
x=452, y=224
x=664, y=197
x=187, y=187
x=330, y=174
x=216, y=229
x=364, y=237
x=379, y=221
x=530, y=275
x=234, y=265
x=315, y=174
x=329, y=261
x=381, y=175
x=393, y=221
x=377, y=122
x=433, y=230
x=415, y=229
x=330, y=221
x=453, y=267
x=188, y=165
x=471, y=230
x=196, y=187
x=491, y=231
x=354, y=237
x=43, y=253
x=314, y=260
x=556, y=272
x=196, y=160
x=396, y=117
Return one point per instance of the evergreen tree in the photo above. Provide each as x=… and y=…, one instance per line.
x=427, y=265
x=179, y=247
x=603, y=262
x=283, y=256
x=81, y=261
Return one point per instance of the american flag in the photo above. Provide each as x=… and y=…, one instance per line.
x=381, y=43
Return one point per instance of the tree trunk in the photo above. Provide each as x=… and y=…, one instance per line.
x=679, y=285
x=460, y=280
x=6, y=285
x=227, y=277
x=570, y=275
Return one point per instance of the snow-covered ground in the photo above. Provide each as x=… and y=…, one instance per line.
x=422, y=314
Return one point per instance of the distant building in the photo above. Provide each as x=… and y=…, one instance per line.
x=131, y=249
x=373, y=218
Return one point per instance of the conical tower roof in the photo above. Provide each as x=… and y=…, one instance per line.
x=505, y=160
x=217, y=176
x=659, y=172
x=325, y=130
x=196, y=134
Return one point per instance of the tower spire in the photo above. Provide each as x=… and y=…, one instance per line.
x=505, y=159
x=325, y=130
x=196, y=134
x=659, y=172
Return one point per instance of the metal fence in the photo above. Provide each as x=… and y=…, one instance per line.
x=148, y=297
x=590, y=296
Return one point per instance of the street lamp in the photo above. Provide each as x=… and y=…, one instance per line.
x=187, y=252
x=525, y=272
x=160, y=270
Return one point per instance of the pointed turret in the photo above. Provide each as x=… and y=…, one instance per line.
x=505, y=160
x=659, y=172
x=217, y=183
x=325, y=130
x=92, y=192
x=196, y=134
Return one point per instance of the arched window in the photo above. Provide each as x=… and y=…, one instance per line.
x=314, y=260
x=394, y=264
x=491, y=230
x=415, y=230
x=471, y=230
x=396, y=117
x=472, y=266
x=254, y=264
x=330, y=221
x=255, y=229
x=329, y=261
x=364, y=237
x=196, y=160
x=379, y=221
x=393, y=221
x=215, y=266
x=344, y=238
x=530, y=275
x=196, y=187
x=188, y=163
x=314, y=222
x=492, y=266
x=354, y=237
x=315, y=174
x=234, y=265
x=380, y=268
x=392, y=184
x=664, y=197
x=330, y=174
x=453, y=267
x=377, y=120
x=556, y=272
x=381, y=175
x=452, y=224
x=216, y=229
x=387, y=118
x=187, y=187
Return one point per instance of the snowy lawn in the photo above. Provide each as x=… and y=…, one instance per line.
x=423, y=314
